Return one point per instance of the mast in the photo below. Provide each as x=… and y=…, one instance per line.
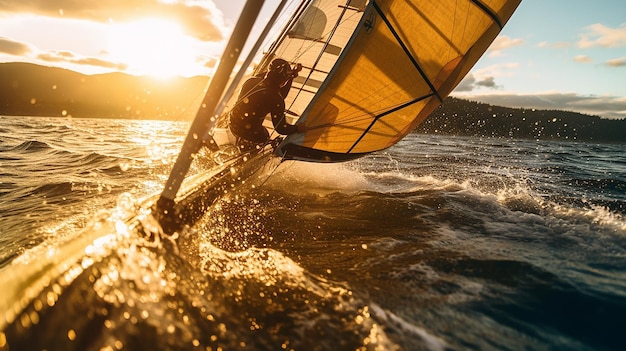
x=251, y=55
x=206, y=117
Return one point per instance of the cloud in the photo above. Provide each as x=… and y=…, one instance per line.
x=556, y=45
x=97, y=62
x=211, y=62
x=470, y=83
x=501, y=43
x=56, y=56
x=603, y=36
x=69, y=57
x=618, y=62
x=201, y=20
x=583, y=59
x=467, y=84
x=486, y=77
x=603, y=106
x=487, y=82
x=15, y=48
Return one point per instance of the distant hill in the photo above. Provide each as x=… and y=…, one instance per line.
x=33, y=90
x=470, y=118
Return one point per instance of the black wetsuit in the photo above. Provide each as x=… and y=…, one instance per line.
x=258, y=98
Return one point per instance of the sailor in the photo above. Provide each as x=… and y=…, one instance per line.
x=260, y=96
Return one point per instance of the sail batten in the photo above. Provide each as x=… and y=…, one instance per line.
x=407, y=52
x=488, y=11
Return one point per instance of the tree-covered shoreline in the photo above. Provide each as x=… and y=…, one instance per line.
x=471, y=118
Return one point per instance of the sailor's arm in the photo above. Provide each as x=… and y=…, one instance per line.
x=281, y=125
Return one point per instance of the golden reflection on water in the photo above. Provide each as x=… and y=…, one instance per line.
x=156, y=137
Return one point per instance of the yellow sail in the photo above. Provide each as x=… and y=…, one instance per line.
x=374, y=70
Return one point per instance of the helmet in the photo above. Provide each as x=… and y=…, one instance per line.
x=279, y=64
x=279, y=70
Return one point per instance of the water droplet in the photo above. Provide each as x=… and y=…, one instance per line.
x=171, y=329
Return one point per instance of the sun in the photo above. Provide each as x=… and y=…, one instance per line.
x=154, y=47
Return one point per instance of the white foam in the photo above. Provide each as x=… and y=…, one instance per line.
x=432, y=342
x=595, y=215
x=326, y=175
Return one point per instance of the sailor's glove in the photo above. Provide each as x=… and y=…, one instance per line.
x=296, y=70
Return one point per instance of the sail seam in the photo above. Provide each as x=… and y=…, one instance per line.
x=489, y=12
x=379, y=116
x=406, y=51
x=352, y=8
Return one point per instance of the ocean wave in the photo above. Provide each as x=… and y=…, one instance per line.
x=89, y=163
x=599, y=185
x=53, y=190
x=30, y=146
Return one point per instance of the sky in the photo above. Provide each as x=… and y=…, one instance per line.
x=552, y=54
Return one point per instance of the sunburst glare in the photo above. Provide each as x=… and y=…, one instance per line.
x=154, y=47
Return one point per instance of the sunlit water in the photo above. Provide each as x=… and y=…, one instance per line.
x=437, y=243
